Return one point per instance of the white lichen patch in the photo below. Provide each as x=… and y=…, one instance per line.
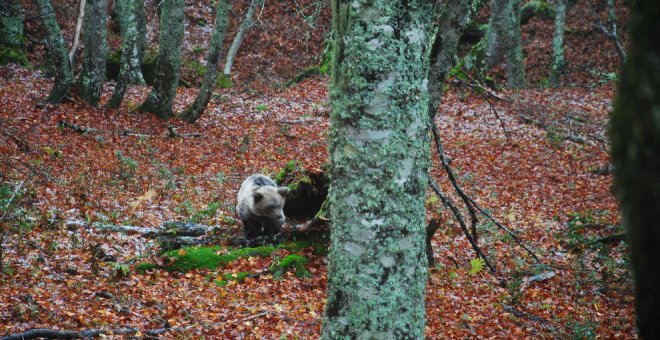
x=364, y=136
x=415, y=35
x=405, y=171
x=354, y=249
x=386, y=261
x=374, y=44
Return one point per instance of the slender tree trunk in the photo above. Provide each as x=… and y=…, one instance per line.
x=242, y=30
x=379, y=159
x=161, y=98
x=11, y=33
x=505, y=39
x=636, y=154
x=59, y=53
x=76, y=35
x=90, y=81
x=558, y=44
x=141, y=20
x=212, y=61
x=129, y=71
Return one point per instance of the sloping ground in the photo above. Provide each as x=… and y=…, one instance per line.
x=539, y=184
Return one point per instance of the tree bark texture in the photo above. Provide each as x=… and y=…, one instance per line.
x=635, y=133
x=89, y=85
x=11, y=33
x=379, y=161
x=129, y=69
x=212, y=62
x=558, y=44
x=238, y=39
x=141, y=21
x=162, y=95
x=58, y=51
x=454, y=17
x=505, y=40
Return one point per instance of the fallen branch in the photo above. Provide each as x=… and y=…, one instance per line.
x=44, y=333
x=448, y=203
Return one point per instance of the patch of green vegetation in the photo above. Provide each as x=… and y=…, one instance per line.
x=584, y=330
x=288, y=168
x=127, y=166
x=224, y=82
x=319, y=248
x=145, y=267
x=238, y=277
x=289, y=262
x=476, y=266
x=542, y=9
x=261, y=107
x=205, y=214
x=198, y=68
x=13, y=55
x=208, y=258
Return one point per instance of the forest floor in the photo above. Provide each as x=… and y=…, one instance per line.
x=537, y=160
x=539, y=165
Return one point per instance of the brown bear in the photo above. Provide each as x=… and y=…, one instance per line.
x=260, y=206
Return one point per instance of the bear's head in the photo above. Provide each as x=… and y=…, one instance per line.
x=268, y=201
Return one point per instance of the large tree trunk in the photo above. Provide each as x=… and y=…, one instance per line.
x=162, y=95
x=238, y=39
x=558, y=44
x=212, y=61
x=129, y=70
x=59, y=53
x=636, y=155
x=505, y=39
x=379, y=160
x=89, y=85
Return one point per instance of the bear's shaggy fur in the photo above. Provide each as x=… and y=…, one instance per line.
x=260, y=206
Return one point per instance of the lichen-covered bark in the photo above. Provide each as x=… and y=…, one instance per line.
x=505, y=39
x=11, y=33
x=129, y=69
x=162, y=95
x=141, y=21
x=89, y=85
x=59, y=53
x=192, y=113
x=238, y=39
x=558, y=44
x=636, y=154
x=454, y=16
x=379, y=156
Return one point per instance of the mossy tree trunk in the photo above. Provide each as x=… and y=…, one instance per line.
x=89, y=85
x=129, y=69
x=59, y=53
x=558, y=44
x=141, y=21
x=379, y=161
x=505, y=40
x=162, y=95
x=11, y=33
x=238, y=39
x=192, y=113
x=635, y=132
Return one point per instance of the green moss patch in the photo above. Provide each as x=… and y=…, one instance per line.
x=290, y=262
x=208, y=258
x=238, y=277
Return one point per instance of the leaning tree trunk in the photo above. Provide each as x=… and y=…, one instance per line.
x=59, y=53
x=505, y=39
x=162, y=95
x=379, y=160
x=90, y=81
x=212, y=60
x=238, y=39
x=129, y=70
x=635, y=152
x=558, y=44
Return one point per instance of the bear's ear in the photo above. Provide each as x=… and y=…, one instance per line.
x=283, y=191
x=257, y=196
